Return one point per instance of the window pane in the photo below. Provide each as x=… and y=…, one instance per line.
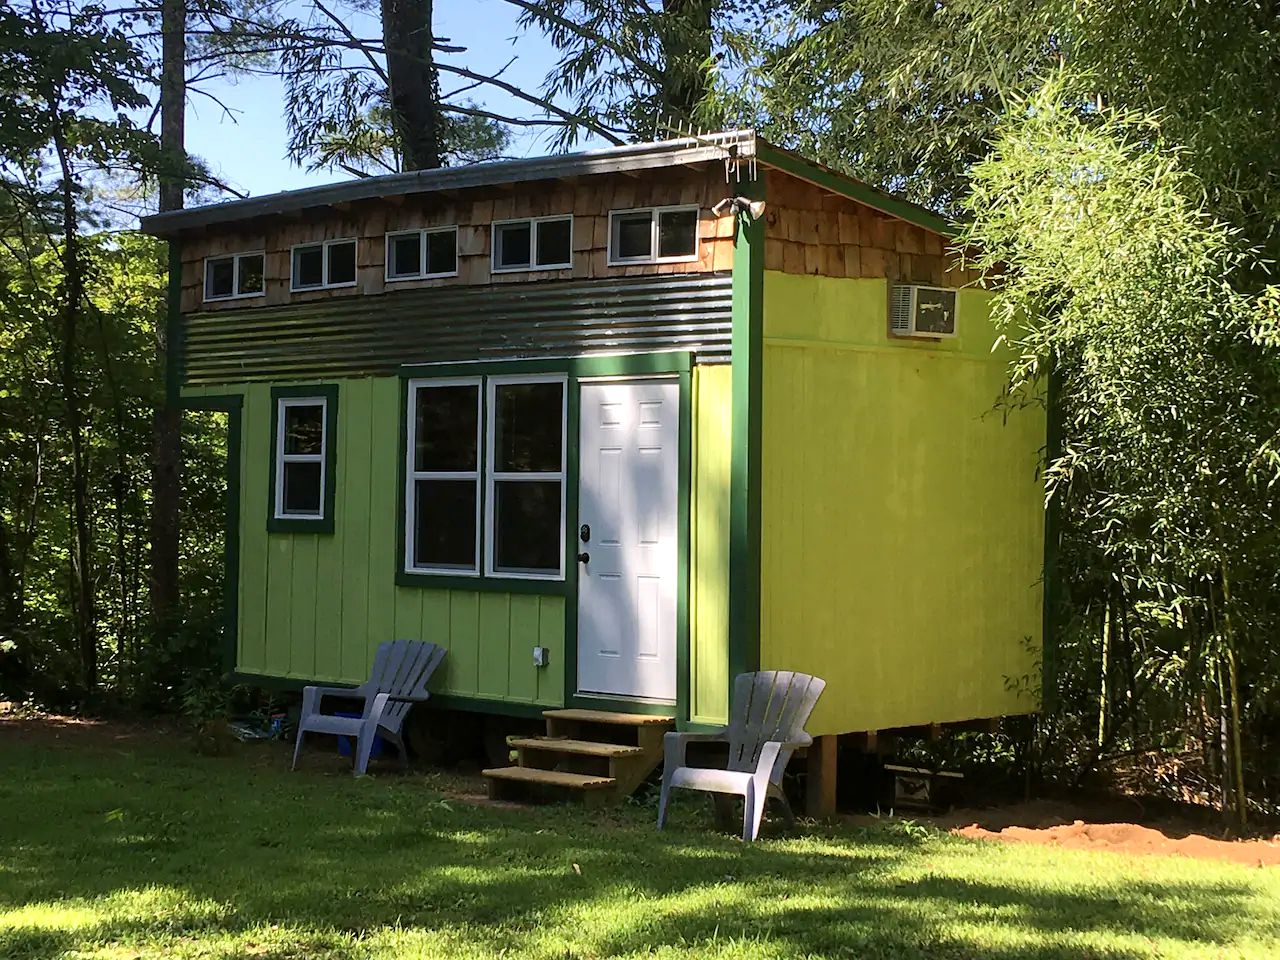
x=445, y=523
x=308, y=266
x=218, y=277
x=304, y=428
x=936, y=311
x=553, y=242
x=406, y=255
x=302, y=488
x=250, y=274
x=342, y=262
x=678, y=233
x=513, y=244
x=526, y=526
x=528, y=427
x=445, y=428
x=633, y=236
x=442, y=251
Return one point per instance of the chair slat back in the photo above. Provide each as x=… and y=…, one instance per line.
x=769, y=705
x=403, y=668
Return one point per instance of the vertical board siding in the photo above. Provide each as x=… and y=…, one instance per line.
x=902, y=521
x=315, y=606
x=709, y=546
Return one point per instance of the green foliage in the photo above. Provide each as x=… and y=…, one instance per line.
x=1113, y=276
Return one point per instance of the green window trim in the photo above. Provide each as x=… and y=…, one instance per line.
x=328, y=393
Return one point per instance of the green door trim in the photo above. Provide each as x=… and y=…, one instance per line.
x=232, y=405
x=744, y=484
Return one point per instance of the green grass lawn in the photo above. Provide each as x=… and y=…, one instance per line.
x=142, y=849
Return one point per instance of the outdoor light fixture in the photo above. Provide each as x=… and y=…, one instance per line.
x=739, y=205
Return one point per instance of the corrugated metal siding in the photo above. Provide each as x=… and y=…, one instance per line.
x=377, y=334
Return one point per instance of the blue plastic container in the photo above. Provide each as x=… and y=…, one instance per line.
x=347, y=745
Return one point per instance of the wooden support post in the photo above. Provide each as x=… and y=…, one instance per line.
x=820, y=793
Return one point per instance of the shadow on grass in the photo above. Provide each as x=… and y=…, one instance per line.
x=148, y=847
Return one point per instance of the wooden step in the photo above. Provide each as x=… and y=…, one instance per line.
x=550, y=778
x=606, y=716
x=581, y=748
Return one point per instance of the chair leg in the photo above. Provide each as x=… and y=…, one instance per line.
x=753, y=811
x=787, y=812
x=364, y=746
x=663, y=798
x=297, y=749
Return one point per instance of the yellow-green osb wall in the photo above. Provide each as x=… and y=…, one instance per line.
x=709, y=545
x=314, y=607
x=902, y=523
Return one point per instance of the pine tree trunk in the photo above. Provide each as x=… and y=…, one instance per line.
x=686, y=46
x=166, y=429
x=414, y=82
x=82, y=586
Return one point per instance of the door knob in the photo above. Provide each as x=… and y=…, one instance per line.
x=584, y=557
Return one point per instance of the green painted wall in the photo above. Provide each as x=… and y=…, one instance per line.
x=902, y=523
x=709, y=545
x=316, y=606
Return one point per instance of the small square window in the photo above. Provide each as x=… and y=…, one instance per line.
x=540, y=243
x=554, y=242
x=308, y=267
x=653, y=235
x=633, y=233
x=404, y=255
x=219, y=278
x=234, y=276
x=341, y=263
x=677, y=233
x=513, y=245
x=442, y=252
x=328, y=264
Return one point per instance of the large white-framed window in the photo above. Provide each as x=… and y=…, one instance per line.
x=536, y=243
x=653, y=235
x=322, y=265
x=524, y=476
x=235, y=276
x=422, y=254
x=485, y=476
x=442, y=477
x=301, y=469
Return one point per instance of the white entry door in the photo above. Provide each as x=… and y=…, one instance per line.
x=628, y=486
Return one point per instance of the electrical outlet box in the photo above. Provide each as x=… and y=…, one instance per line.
x=541, y=656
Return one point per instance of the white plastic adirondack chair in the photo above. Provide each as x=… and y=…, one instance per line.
x=401, y=669
x=769, y=713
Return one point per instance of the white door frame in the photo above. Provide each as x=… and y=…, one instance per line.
x=574, y=695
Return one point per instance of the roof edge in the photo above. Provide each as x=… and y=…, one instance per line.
x=631, y=157
x=846, y=186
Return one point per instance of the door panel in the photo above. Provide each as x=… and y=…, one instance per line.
x=628, y=487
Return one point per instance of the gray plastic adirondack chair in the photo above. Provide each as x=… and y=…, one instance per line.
x=401, y=669
x=767, y=725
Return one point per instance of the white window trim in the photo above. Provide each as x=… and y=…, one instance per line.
x=235, y=276
x=653, y=257
x=492, y=477
x=533, y=244
x=412, y=475
x=282, y=458
x=422, y=254
x=324, y=265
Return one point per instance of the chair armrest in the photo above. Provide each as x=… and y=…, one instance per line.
x=774, y=755
x=674, y=745
x=394, y=698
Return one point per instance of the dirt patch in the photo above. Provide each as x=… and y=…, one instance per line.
x=26, y=726
x=1110, y=827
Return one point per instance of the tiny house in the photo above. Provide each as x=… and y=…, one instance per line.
x=613, y=427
